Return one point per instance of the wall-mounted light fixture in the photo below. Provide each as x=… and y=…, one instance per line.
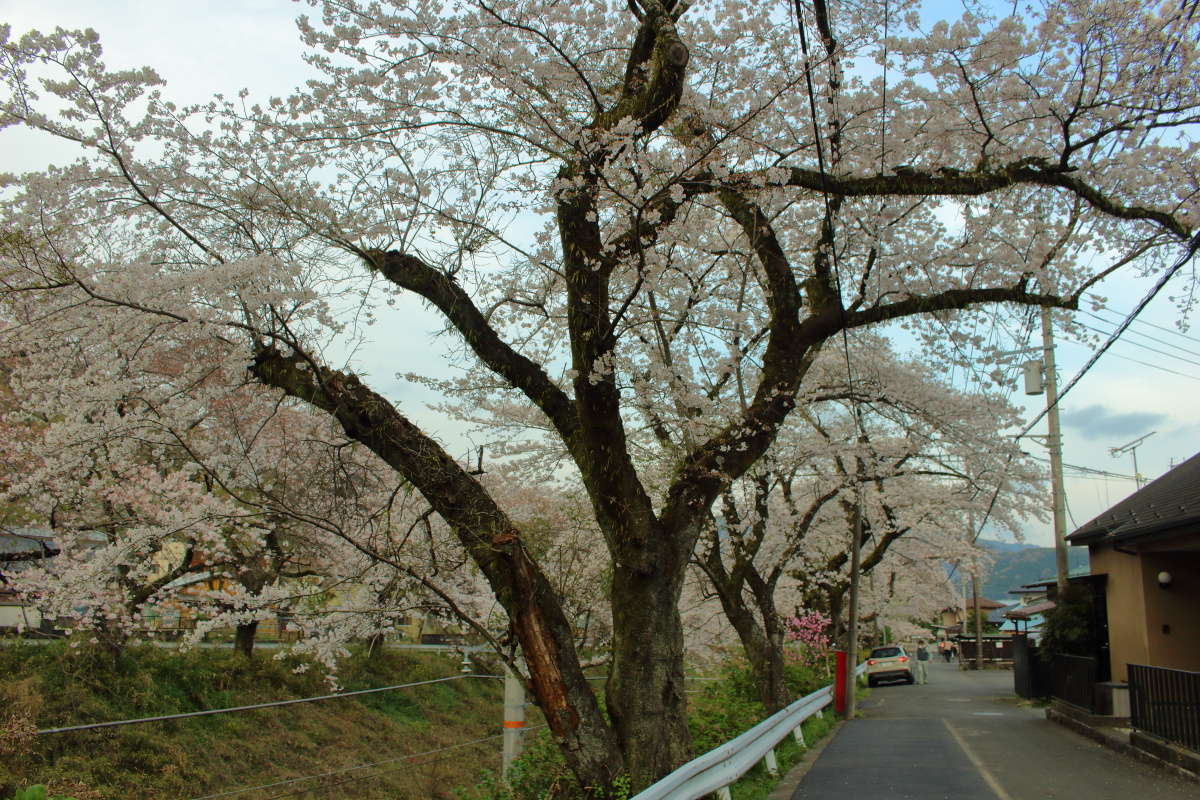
x=1164, y=580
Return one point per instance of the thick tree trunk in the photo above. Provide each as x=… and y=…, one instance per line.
x=645, y=691
x=243, y=638
x=834, y=599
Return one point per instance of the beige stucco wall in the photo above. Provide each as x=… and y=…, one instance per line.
x=1126, y=608
x=1177, y=606
x=1138, y=608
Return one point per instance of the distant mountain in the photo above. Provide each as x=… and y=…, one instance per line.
x=1015, y=565
x=1005, y=547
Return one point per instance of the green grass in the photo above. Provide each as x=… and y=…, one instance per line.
x=56, y=686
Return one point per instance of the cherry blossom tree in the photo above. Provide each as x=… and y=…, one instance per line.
x=155, y=473
x=899, y=446
x=161, y=470
x=571, y=186
x=197, y=480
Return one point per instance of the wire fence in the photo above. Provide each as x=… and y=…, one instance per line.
x=253, y=707
x=349, y=774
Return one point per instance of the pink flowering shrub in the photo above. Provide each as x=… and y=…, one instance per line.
x=810, y=631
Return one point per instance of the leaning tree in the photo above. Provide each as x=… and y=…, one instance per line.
x=565, y=183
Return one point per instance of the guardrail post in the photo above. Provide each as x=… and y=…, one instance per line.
x=772, y=764
x=514, y=718
x=723, y=793
x=798, y=735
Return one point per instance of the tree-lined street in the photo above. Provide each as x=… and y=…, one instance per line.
x=706, y=279
x=964, y=736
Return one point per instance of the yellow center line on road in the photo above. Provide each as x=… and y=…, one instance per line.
x=984, y=772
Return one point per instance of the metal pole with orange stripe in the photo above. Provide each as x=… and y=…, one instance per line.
x=514, y=718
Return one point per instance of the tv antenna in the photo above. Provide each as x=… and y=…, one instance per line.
x=1131, y=448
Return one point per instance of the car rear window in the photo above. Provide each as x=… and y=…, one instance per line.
x=885, y=652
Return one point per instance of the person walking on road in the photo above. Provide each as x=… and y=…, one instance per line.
x=922, y=662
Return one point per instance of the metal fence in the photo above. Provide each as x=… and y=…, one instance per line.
x=717, y=769
x=1075, y=681
x=1166, y=703
x=1031, y=671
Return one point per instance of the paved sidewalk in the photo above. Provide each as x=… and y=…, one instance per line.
x=963, y=736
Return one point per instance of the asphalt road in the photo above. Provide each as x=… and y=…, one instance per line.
x=963, y=736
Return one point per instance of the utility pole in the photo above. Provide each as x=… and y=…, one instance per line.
x=1040, y=376
x=1131, y=448
x=975, y=598
x=852, y=627
x=1054, y=443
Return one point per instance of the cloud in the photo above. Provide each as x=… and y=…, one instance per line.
x=1096, y=422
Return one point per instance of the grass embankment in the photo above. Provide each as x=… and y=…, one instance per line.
x=55, y=686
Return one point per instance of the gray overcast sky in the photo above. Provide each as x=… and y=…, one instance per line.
x=204, y=47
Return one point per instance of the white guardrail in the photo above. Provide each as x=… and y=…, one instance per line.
x=717, y=769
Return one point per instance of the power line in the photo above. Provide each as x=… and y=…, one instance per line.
x=1151, y=337
x=1092, y=470
x=1067, y=503
x=274, y=704
x=1164, y=328
x=1192, y=246
x=1158, y=367
x=1103, y=332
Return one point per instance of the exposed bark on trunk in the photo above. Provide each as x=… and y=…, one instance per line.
x=776, y=694
x=752, y=615
x=835, y=614
x=645, y=691
x=243, y=639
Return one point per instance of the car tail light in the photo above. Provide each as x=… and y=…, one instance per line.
x=870, y=662
x=903, y=659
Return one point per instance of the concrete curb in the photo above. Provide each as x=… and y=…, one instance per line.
x=1114, y=742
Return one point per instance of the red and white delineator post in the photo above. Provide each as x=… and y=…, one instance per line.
x=514, y=718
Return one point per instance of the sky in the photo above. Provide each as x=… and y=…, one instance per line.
x=225, y=45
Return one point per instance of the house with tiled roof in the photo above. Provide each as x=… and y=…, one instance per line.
x=1145, y=560
x=952, y=618
x=1147, y=548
